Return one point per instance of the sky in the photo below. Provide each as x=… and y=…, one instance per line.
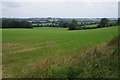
x=60, y=8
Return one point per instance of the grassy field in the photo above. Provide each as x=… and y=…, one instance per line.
x=54, y=52
x=93, y=25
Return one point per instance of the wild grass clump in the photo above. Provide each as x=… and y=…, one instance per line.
x=95, y=65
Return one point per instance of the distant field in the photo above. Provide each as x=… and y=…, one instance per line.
x=93, y=25
x=39, y=52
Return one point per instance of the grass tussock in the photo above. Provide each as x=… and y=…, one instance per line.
x=101, y=62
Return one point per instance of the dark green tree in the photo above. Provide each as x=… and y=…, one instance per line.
x=60, y=23
x=118, y=21
x=63, y=23
x=73, y=25
x=104, y=22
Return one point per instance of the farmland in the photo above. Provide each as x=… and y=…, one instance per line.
x=53, y=52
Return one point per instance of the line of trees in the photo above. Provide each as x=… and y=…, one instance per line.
x=73, y=25
x=14, y=23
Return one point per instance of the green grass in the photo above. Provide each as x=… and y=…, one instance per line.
x=48, y=52
x=93, y=25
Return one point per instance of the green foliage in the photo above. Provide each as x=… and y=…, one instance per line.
x=103, y=22
x=73, y=25
x=58, y=71
x=118, y=21
x=14, y=23
x=63, y=24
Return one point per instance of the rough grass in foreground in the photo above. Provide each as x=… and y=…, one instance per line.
x=58, y=52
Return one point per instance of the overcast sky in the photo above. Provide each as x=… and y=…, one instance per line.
x=60, y=8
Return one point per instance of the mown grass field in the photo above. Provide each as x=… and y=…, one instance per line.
x=54, y=52
x=93, y=25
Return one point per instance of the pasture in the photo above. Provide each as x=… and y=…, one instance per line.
x=51, y=52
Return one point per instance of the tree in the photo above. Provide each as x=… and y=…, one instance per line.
x=73, y=25
x=103, y=22
x=63, y=24
x=118, y=21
